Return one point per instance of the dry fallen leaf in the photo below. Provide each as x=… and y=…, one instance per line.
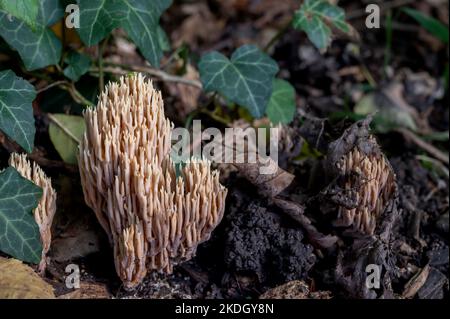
x=201, y=26
x=188, y=95
x=19, y=281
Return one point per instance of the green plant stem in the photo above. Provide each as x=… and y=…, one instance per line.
x=368, y=76
x=215, y=117
x=200, y=109
x=101, y=76
x=48, y=87
x=388, y=48
x=76, y=95
x=278, y=35
x=172, y=57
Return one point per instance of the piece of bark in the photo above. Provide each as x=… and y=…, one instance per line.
x=295, y=211
x=416, y=282
x=269, y=185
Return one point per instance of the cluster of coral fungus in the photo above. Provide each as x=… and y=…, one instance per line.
x=365, y=175
x=154, y=215
x=373, y=193
x=46, y=208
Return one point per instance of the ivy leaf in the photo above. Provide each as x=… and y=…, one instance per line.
x=51, y=11
x=78, y=64
x=25, y=10
x=281, y=108
x=98, y=18
x=163, y=38
x=19, y=233
x=315, y=18
x=66, y=132
x=37, y=48
x=432, y=25
x=16, y=112
x=245, y=79
x=142, y=24
x=139, y=18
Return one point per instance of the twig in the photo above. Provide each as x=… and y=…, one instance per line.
x=76, y=95
x=52, y=164
x=57, y=83
x=69, y=87
x=12, y=147
x=438, y=165
x=435, y=152
x=122, y=69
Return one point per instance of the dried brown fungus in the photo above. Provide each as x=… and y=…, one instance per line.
x=365, y=173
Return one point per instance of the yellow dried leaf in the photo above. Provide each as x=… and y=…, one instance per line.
x=19, y=281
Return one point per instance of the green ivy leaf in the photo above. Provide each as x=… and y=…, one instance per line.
x=245, y=79
x=142, y=24
x=16, y=112
x=37, y=48
x=163, y=38
x=98, y=18
x=66, y=132
x=139, y=18
x=19, y=233
x=315, y=18
x=78, y=64
x=281, y=108
x=24, y=10
x=432, y=25
x=51, y=11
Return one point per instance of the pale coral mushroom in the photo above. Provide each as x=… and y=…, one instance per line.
x=366, y=177
x=46, y=208
x=155, y=216
x=373, y=189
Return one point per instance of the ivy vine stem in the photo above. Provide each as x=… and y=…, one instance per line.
x=278, y=35
x=101, y=77
x=123, y=69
